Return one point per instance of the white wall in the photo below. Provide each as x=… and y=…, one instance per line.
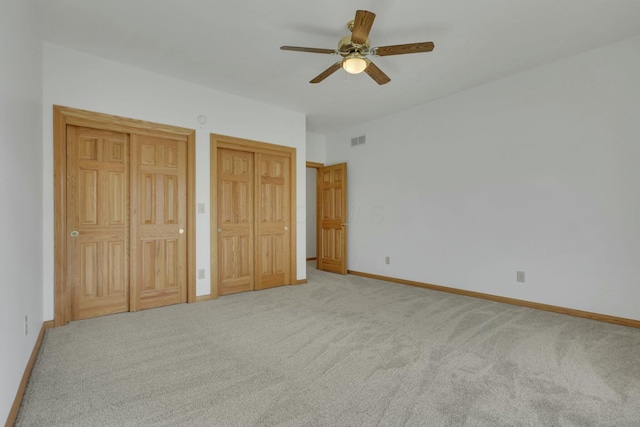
x=20, y=192
x=536, y=172
x=316, y=147
x=78, y=80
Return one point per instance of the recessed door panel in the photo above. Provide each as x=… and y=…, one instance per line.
x=88, y=194
x=116, y=274
x=171, y=200
x=117, y=207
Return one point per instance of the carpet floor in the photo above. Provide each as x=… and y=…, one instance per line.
x=338, y=351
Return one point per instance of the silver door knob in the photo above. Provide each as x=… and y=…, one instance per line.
x=286, y=228
x=75, y=233
x=181, y=231
x=219, y=230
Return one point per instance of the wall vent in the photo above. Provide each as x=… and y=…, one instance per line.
x=358, y=141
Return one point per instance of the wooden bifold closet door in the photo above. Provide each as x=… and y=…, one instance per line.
x=122, y=215
x=254, y=234
x=235, y=221
x=273, y=222
x=98, y=217
x=158, y=239
x=126, y=206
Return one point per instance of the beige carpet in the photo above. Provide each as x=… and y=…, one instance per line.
x=343, y=351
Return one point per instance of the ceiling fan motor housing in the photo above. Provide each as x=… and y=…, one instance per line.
x=346, y=47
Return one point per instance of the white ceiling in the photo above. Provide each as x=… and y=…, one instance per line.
x=233, y=45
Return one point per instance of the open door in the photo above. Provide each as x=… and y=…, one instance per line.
x=331, y=208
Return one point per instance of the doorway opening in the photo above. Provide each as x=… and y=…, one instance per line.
x=312, y=212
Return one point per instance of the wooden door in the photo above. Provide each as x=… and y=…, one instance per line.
x=332, y=221
x=159, y=221
x=97, y=221
x=235, y=223
x=94, y=198
x=273, y=220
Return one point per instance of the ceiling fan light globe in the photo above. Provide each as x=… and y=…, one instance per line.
x=354, y=64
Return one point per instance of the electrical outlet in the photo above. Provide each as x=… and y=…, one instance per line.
x=201, y=273
x=26, y=324
x=520, y=276
x=387, y=260
x=201, y=208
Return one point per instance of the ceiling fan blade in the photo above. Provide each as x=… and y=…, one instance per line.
x=307, y=49
x=361, y=26
x=401, y=49
x=326, y=73
x=376, y=74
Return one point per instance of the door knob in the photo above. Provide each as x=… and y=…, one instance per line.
x=344, y=224
x=286, y=228
x=219, y=230
x=181, y=231
x=75, y=233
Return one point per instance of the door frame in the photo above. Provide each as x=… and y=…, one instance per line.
x=232, y=143
x=63, y=116
x=317, y=166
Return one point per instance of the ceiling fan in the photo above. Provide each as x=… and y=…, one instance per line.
x=356, y=48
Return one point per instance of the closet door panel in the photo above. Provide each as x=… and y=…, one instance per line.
x=235, y=226
x=159, y=220
x=97, y=220
x=273, y=222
